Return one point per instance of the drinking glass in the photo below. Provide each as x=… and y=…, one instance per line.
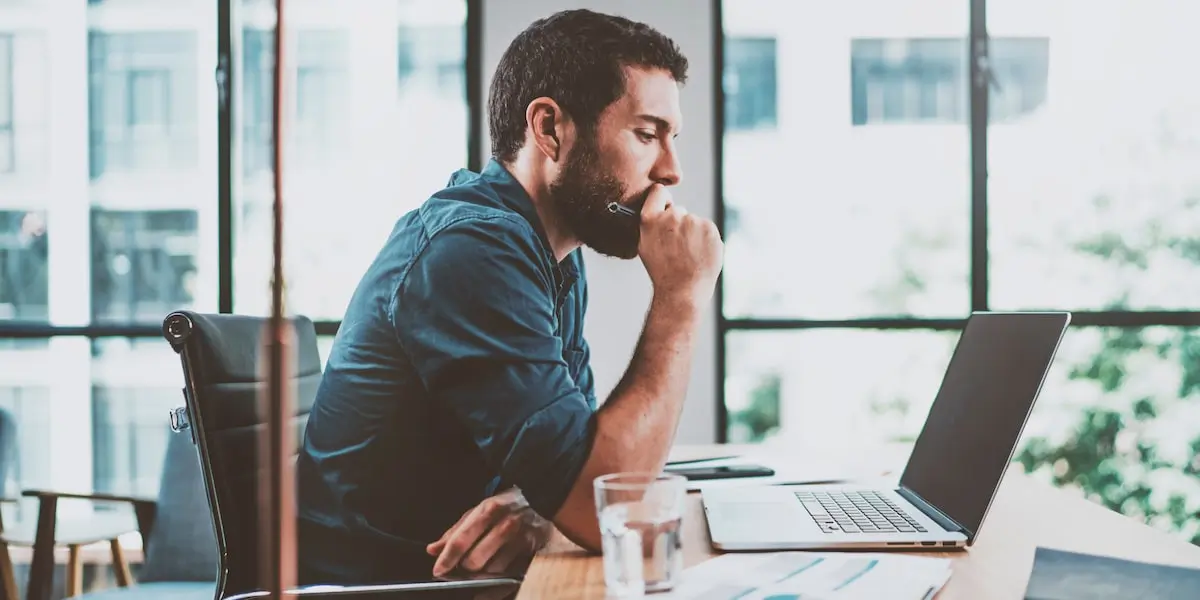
x=640, y=516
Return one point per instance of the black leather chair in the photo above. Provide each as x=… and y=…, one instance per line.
x=220, y=356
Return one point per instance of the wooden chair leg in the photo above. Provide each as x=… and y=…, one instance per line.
x=8, y=581
x=74, y=572
x=120, y=565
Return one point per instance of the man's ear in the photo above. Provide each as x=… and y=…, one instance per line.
x=549, y=126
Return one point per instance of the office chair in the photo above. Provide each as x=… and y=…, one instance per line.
x=220, y=358
x=179, y=552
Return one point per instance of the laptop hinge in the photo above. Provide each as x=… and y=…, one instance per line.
x=932, y=512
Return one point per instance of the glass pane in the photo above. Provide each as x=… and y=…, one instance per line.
x=24, y=416
x=1117, y=421
x=152, y=162
x=847, y=180
x=135, y=384
x=832, y=387
x=143, y=99
x=24, y=282
x=6, y=103
x=1093, y=193
x=106, y=401
x=376, y=121
x=24, y=109
x=143, y=263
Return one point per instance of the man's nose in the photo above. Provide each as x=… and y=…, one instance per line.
x=668, y=171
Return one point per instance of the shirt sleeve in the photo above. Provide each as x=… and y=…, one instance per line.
x=476, y=315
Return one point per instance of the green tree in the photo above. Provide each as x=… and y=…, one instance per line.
x=1134, y=450
x=760, y=418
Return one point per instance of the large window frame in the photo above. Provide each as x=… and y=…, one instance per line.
x=980, y=89
x=228, y=171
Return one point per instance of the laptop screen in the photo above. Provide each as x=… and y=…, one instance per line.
x=976, y=419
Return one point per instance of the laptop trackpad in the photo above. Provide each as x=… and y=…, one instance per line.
x=781, y=519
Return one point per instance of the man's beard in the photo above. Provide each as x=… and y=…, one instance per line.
x=581, y=195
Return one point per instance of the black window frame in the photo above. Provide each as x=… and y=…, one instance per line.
x=980, y=83
x=227, y=171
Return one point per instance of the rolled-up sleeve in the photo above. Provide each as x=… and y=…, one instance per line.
x=476, y=315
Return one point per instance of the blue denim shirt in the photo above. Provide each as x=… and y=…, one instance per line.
x=460, y=369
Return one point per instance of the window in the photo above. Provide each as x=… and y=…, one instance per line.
x=135, y=197
x=27, y=409
x=901, y=80
x=144, y=264
x=257, y=60
x=751, y=96
x=143, y=101
x=322, y=77
x=844, y=293
x=24, y=287
x=354, y=167
x=431, y=57
x=135, y=383
x=7, y=138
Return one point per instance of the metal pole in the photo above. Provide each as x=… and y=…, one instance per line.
x=279, y=513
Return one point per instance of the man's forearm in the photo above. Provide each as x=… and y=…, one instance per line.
x=636, y=426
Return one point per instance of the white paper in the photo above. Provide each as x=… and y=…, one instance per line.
x=813, y=575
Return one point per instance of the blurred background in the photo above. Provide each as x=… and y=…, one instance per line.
x=879, y=169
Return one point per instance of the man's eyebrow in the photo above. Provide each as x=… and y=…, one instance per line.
x=659, y=122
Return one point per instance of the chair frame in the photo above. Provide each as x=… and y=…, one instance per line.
x=178, y=328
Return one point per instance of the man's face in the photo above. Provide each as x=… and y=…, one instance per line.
x=631, y=148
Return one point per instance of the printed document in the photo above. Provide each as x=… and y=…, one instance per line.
x=812, y=576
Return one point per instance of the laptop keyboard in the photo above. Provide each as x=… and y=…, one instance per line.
x=856, y=512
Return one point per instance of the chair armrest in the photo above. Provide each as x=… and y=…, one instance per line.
x=75, y=495
x=389, y=590
x=144, y=509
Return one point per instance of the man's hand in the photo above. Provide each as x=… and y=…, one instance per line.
x=682, y=252
x=500, y=534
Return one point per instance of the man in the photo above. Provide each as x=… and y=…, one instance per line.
x=456, y=424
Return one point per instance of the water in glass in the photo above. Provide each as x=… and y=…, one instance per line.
x=641, y=536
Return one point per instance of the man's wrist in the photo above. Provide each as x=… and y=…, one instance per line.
x=681, y=305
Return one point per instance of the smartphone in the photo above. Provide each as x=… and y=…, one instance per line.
x=701, y=473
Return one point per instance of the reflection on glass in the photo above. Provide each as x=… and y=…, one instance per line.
x=24, y=433
x=825, y=387
x=143, y=264
x=135, y=383
x=24, y=106
x=842, y=198
x=7, y=141
x=24, y=285
x=898, y=81
x=142, y=101
x=376, y=120
x=25, y=415
x=1116, y=420
x=1094, y=197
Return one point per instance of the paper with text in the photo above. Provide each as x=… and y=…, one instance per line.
x=813, y=575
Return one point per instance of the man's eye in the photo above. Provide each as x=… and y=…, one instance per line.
x=645, y=136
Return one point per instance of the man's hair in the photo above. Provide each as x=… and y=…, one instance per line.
x=576, y=57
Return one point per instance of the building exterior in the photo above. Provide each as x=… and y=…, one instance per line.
x=108, y=209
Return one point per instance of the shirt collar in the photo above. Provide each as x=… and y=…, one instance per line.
x=514, y=196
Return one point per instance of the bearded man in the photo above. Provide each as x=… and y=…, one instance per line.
x=456, y=424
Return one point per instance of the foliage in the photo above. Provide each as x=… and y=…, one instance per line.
x=1126, y=451
x=761, y=417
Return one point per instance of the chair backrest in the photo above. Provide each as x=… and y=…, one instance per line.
x=223, y=381
x=181, y=545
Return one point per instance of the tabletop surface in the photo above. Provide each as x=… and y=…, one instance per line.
x=1025, y=514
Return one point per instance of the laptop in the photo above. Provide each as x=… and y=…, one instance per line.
x=956, y=466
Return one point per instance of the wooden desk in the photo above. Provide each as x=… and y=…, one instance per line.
x=1025, y=515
